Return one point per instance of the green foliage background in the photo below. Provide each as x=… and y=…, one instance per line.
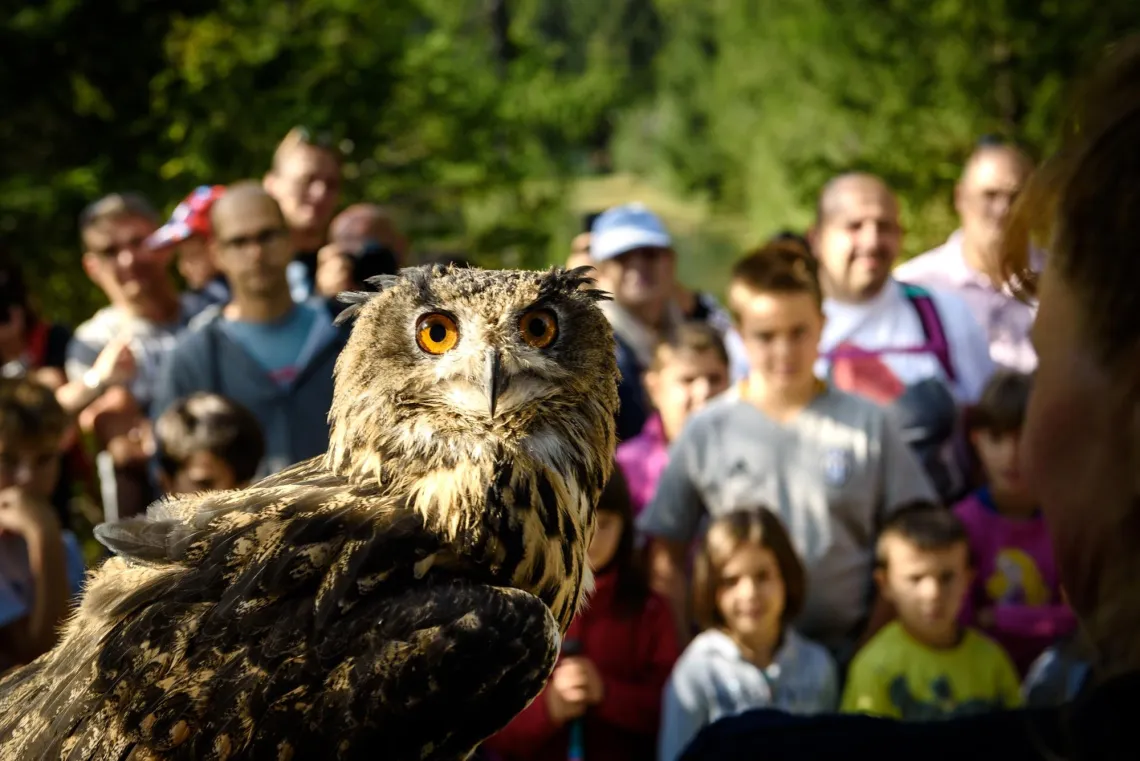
x=493, y=125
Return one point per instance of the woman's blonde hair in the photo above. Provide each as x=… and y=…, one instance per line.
x=725, y=536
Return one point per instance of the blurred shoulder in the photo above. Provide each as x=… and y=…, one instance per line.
x=707, y=646
x=849, y=409
x=99, y=327
x=656, y=608
x=721, y=409
x=985, y=649
x=809, y=651
x=207, y=316
x=926, y=268
x=951, y=307
x=884, y=648
x=198, y=333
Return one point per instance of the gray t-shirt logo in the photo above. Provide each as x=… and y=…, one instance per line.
x=837, y=465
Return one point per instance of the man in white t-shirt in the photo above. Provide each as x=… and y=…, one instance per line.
x=969, y=263
x=920, y=351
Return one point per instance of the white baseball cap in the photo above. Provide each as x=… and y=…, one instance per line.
x=624, y=228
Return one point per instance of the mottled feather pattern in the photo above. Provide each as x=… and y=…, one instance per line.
x=401, y=597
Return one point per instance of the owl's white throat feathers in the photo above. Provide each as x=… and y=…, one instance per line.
x=474, y=399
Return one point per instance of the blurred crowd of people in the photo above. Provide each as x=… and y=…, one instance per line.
x=818, y=504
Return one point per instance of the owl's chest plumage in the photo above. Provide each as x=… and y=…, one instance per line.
x=523, y=523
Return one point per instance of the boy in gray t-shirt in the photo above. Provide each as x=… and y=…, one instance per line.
x=832, y=474
x=830, y=464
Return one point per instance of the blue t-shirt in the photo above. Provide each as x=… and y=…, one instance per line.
x=282, y=347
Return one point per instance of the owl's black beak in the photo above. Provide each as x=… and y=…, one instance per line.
x=491, y=379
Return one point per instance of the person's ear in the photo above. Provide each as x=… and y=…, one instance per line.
x=880, y=576
x=651, y=381
x=812, y=237
x=214, y=251
x=959, y=198
x=92, y=266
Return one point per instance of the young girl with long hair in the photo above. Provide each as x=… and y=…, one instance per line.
x=748, y=586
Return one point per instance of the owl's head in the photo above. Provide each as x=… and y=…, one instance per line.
x=447, y=365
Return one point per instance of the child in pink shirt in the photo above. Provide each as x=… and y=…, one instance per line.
x=1015, y=596
x=687, y=371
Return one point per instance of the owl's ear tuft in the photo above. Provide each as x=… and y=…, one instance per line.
x=357, y=299
x=420, y=279
x=571, y=281
x=383, y=282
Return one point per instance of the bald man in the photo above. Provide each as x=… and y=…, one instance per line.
x=969, y=262
x=919, y=351
x=362, y=227
x=262, y=349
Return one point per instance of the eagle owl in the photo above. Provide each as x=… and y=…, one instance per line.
x=400, y=597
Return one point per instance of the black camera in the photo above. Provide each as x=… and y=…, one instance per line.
x=371, y=260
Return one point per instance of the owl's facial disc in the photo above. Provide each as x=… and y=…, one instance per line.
x=488, y=365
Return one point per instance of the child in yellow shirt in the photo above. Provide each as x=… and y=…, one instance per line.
x=924, y=665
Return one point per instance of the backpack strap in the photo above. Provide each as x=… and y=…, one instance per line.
x=936, y=340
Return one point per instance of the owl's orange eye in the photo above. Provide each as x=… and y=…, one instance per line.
x=539, y=328
x=436, y=333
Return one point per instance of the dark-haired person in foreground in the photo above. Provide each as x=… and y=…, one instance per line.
x=1081, y=451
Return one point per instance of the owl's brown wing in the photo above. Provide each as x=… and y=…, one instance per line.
x=300, y=630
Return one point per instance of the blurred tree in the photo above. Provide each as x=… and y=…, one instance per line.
x=469, y=118
x=75, y=81
x=760, y=101
x=473, y=118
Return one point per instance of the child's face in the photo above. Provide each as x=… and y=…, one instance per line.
x=195, y=262
x=31, y=464
x=999, y=456
x=751, y=593
x=203, y=471
x=927, y=588
x=607, y=536
x=684, y=383
x=781, y=334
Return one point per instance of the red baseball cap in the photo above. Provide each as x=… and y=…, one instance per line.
x=191, y=217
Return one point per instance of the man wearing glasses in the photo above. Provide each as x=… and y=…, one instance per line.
x=137, y=328
x=263, y=350
x=113, y=359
